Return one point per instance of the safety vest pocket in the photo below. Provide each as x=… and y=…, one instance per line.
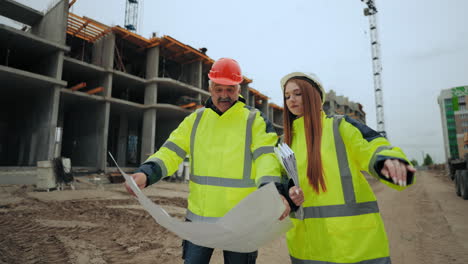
x=340, y=226
x=353, y=234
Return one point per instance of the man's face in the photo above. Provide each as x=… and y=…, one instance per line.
x=224, y=96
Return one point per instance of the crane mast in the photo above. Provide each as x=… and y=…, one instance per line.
x=371, y=12
x=131, y=15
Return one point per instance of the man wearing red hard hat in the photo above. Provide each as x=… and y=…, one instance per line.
x=225, y=78
x=231, y=150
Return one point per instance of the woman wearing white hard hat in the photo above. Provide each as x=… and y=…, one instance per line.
x=340, y=222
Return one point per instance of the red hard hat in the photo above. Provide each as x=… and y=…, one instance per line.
x=226, y=71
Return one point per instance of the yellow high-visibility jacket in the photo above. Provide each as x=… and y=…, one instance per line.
x=230, y=155
x=343, y=224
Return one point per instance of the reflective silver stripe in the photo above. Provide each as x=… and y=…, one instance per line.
x=374, y=157
x=340, y=210
x=172, y=146
x=223, y=182
x=192, y=136
x=198, y=218
x=161, y=165
x=248, y=143
x=263, y=150
x=346, y=177
x=350, y=208
x=384, y=260
x=267, y=179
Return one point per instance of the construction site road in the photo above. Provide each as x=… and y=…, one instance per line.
x=426, y=223
x=97, y=224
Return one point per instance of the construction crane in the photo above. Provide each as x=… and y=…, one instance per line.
x=371, y=12
x=131, y=15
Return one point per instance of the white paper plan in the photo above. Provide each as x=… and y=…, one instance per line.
x=247, y=227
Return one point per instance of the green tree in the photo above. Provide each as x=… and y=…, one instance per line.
x=414, y=162
x=428, y=160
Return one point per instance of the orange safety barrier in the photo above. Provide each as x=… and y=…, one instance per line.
x=71, y=3
x=188, y=105
x=95, y=90
x=78, y=86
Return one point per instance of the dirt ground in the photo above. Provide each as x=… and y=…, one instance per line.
x=100, y=224
x=427, y=223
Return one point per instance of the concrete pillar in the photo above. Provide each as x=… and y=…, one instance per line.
x=193, y=73
x=102, y=134
x=43, y=126
x=103, y=55
x=251, y=101
x=148, y=139
x=43, y=141
x=59, y=136
x=152, y=62
x=53, y=26
x=103, y=115
x=148, y=133
x=52, y=126
x=197, y=79
x=264, y=107
x=55, y=70
x=278, y=117
x=245, y=92
x=103, y=52
x=270, y=113
x=332, y=108
x=122, y=140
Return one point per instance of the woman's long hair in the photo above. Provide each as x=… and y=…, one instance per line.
x=312, y=105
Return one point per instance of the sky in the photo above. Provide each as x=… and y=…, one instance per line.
x=424, y=49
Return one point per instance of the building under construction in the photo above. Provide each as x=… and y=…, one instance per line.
x=77, y=88
x=341, y=105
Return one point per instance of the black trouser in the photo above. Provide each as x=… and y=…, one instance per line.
x=195, y=254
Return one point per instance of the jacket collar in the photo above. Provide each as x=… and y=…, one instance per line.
x=209, y=104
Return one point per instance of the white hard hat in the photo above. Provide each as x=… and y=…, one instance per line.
x=309, y=76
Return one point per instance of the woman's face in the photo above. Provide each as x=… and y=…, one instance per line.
x=293, y=96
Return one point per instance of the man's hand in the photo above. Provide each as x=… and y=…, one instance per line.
x=397, y=171
x=296, y=194
x=140, y=180
x=287, y=210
